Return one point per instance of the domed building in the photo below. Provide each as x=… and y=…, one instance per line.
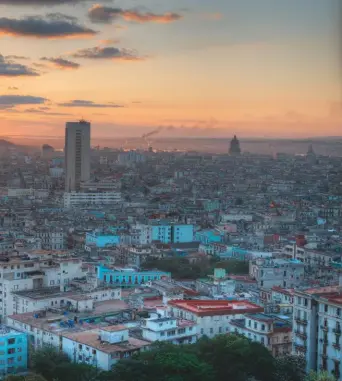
x=234, y=148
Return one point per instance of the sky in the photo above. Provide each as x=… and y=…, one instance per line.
x=255, y=68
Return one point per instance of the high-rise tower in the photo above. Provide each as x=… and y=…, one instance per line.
x=77, y=154
x=234, y=148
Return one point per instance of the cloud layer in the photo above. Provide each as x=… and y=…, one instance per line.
x=89, y=104
x=41, y=2
x=101, y=14
x=9, y=68
x=62, y=63
x=43, y=28
x=108, y=53
x=14, y=100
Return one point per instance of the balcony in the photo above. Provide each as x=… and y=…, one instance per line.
x=302, y=335
x=301, y=321
x=337, y=331
x=324, y=328
x=300, y=347
x=337, y=346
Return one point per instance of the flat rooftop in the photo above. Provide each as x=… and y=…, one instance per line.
x=216, y=307
x=91, y=339
x=57, y=323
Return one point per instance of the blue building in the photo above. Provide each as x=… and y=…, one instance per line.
x=172, y=233
x=124, y=277
x=102, y=240
x=208, y=236
x=13, y=351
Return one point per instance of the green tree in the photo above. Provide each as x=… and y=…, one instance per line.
x=320, y=376
x=164, y=362
x=45, y=361
x=234, y=357
x=289, y=368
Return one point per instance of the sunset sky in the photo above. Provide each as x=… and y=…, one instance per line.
x=215, y=68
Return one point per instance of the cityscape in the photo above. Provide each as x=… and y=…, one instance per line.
x=170, y=190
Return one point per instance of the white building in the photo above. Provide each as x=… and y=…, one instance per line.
x=51, y=239
x=273, y=332
x=100, y=346
x=317, y=323
x=95, y=198
x=77, y=154
x=141, y=234
x=23, y=273
x=268, y=272
x=211, y=316
x=175, y=331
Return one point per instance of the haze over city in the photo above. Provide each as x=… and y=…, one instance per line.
x=201, y=68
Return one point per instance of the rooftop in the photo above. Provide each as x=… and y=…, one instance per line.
x=216, y=307
x=91, y=338
x=60, y=323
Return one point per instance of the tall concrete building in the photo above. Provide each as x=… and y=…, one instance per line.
x=77, y=154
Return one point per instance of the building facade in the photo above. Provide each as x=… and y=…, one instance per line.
x=172, y=330
x=14, y=351
x=128, y=277
x=317, y=323
x=212, y=316
x=77, y=154
x=95, y=198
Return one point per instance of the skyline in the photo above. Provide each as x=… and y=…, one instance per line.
x=214, y=68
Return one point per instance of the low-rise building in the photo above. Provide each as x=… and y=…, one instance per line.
x=128, y=277
x=175, y=331
x=102, y=347
x=95, y=198
x=212, y=316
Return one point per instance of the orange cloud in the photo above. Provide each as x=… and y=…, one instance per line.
x=150, y=17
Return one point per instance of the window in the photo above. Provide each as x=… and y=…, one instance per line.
x=211, y=330
x=338, y=311
x=325, y=308
x=249, y=323
x=255, y=325
x=19, y=358
x=162, y=333
x=181, y=330
x=94, y=351
x=220, y=329
x=202, y=331
x=262, y=340
x=11, y=341
x=11, y=351
x=263, y=327
x=79, y=346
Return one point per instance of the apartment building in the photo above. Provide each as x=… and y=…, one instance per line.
x=269, y=272
x=90, y=337
x=14, y=351
x=317, y=322
x=211, y=316
x=172, y=330
x=273, y=332
x=73, y=199
x=51, y=238
x=22, y=273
